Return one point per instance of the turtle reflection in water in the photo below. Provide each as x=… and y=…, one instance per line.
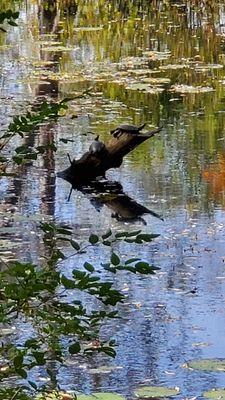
x=130, y=129
x=98, y=148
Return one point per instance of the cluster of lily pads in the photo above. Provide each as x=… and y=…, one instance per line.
x=151, y=392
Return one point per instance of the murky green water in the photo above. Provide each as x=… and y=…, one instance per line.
x=163, y=67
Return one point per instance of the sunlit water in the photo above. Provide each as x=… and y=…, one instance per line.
x=178, y=314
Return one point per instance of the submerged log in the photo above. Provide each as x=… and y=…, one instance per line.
x=90, y=166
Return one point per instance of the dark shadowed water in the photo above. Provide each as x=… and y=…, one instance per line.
x=163, y=67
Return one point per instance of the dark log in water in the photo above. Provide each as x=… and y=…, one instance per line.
x=90, y=166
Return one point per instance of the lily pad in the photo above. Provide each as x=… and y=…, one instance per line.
x=138, y=72
x=49, y=43
x=100, y=396
x=88, y=28
x=155, y=391
x=56, y=48
x=157, y=55
x=215, y=394
x=157, y=81
x=206, y=67
x=144, y=87
x=191, y=89
x=173, y=66
x=213, y=364
x=55, y=395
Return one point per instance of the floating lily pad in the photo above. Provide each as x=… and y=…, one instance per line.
x=49, y=43
x=55, y=395
x=139, y=72
x=144, y=87
x=43, y=63
x=155, y=391
x=157, y=81
x=56, y=48
x=191, y=89
x=157, y=55
x=215, y=394
x=206, y=67
x=173, y=66
x=214, y=364
x=100, y=396
x=88, y=28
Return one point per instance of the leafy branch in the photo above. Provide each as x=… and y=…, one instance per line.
x=8, y=17
x=50, y=300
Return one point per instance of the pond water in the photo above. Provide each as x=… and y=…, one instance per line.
x=157, y=62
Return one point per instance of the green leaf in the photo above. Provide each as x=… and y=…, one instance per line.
x=133, y=233
x=2, y=17
x=106, y=243
x=147, y=237
x=115, y=260
x=121, y=234
x=18, y=361
x=64, y=231
x=31, y=343
x=33, y=385
x=93, y=239
x=12, y=23
x=67, y=283
x=78, y=274
x=131, y=260
x=15, y=15
x=22, y=373
x=47, y=227
x=109, y=351
x=89, y=267
x=107, y=267
x=144, y=268
x=107, y=234
x=75, y=245
x=18, y=160
x=39, y=357
x=74, y=348
x=8, y=13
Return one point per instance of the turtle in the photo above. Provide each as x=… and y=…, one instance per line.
x=132, y=129
x=97, y=148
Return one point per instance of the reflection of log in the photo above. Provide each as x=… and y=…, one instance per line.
x=112, y=196
x=89, y=166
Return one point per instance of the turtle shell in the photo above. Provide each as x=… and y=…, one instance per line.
x=128, y=128
x=97, y=147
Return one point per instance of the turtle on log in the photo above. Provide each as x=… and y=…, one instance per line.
x=98, y=148
x=130, y=129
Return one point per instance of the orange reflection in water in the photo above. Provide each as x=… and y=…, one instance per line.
x=215, y=177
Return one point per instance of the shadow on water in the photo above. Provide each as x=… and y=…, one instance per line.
x=111, y=194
